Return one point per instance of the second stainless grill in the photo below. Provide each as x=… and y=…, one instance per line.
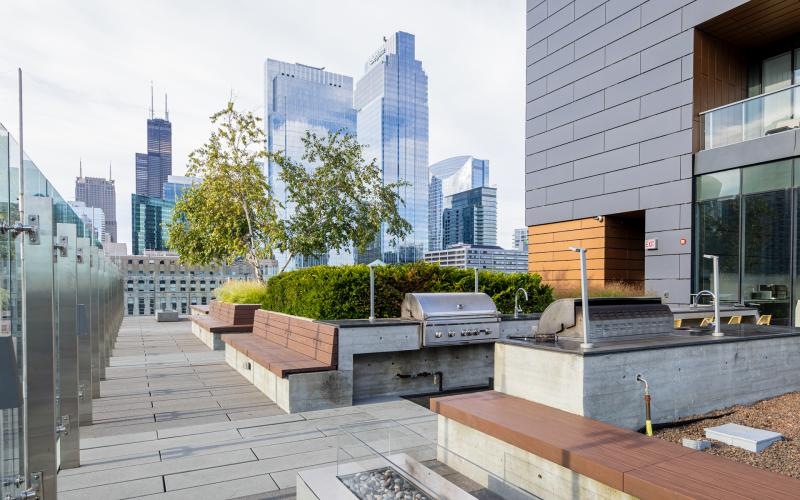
x=453, y=318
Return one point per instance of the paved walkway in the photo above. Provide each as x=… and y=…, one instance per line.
x=175, y=421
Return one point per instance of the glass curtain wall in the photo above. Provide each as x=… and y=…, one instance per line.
x=746, y=217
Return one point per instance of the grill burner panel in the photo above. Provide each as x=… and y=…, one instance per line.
x=453, y=318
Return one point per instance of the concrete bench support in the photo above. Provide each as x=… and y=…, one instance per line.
x=299, y=391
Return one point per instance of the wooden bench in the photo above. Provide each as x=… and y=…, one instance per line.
x=286, y=344
x=624, y=460
x=223, y=318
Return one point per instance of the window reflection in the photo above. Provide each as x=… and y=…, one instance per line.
x=767, y=233
x=718, y=234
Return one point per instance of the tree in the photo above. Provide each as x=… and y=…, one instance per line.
x=340, y=201
x=231, y=213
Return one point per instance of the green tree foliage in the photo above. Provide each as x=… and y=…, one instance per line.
x=326, y=292
x=231, y=213
x=341, y=202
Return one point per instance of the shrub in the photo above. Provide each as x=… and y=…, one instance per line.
x=325, y=292
x=241, y=292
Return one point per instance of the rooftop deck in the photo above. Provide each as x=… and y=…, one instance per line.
x=175, y=421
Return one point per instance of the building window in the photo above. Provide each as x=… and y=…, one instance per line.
x=745, y=217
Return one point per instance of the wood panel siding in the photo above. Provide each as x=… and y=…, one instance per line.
x=720, y=77
x=615, y=251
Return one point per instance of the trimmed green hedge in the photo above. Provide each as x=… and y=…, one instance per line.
x=327, y=292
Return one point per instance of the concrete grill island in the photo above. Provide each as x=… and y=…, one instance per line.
x=532, y=363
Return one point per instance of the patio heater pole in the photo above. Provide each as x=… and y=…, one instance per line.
x=476, y=280
x=584, y=298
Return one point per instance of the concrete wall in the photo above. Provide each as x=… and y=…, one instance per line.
x=462, y=448
x=609, y=119
x=550, y=378
x=684, y=381
x=461, y=366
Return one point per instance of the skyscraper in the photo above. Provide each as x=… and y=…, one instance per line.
x=176, y=185
x=100, y=193
x=149, y=219
x=91, y=216
x=154, y=167
x=448, y=177
x=521, y=239
x=470, y=217
x=300, y=98
x=391, y=100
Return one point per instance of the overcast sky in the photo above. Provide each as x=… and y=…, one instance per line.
x=88, y=64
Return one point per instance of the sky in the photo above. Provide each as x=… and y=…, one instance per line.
x=87, y=67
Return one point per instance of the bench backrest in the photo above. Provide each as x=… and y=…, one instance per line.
x=232, y=314
x=315, y=340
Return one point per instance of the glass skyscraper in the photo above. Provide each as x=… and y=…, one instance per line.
x=470, y=217
x=154, y=167
x=176, y=185
x=392, y=104
x=149, y=219
x=300, y=98
x=448, y=177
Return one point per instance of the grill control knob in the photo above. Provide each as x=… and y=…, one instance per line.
x=438, y=335
x=451, y=334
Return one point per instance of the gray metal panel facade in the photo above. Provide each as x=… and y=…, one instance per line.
x=609, y=119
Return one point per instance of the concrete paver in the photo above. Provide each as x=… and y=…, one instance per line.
x=175, y=421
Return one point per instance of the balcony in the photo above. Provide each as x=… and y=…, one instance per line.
x=752, y=118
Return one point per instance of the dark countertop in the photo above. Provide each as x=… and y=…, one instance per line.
x=364, y=323
x=522, y=317
x=706, y=309
x=681, y=338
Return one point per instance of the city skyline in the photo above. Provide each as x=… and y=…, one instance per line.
x=474, y=92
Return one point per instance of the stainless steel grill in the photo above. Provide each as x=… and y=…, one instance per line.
x=453, y=318
x=610, y=318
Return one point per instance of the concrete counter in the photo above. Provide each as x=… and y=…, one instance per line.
x=687, y=375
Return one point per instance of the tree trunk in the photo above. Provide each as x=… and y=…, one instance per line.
x=254, y=261
x=288, y=259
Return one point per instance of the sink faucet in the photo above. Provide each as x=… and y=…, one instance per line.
x=695, y=301
x=517, y=308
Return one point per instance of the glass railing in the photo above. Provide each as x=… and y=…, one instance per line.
x=752, y=118
x=60, y=308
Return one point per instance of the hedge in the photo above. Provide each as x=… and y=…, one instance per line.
x=327, y=292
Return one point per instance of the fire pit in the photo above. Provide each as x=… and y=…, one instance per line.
x=384, y=483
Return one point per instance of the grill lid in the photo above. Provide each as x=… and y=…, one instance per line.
x=611, y=318
x=423, y=306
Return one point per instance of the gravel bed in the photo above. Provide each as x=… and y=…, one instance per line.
x=780, y=414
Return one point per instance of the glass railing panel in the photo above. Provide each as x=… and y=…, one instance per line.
x=12, y=442
x=752, y=118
